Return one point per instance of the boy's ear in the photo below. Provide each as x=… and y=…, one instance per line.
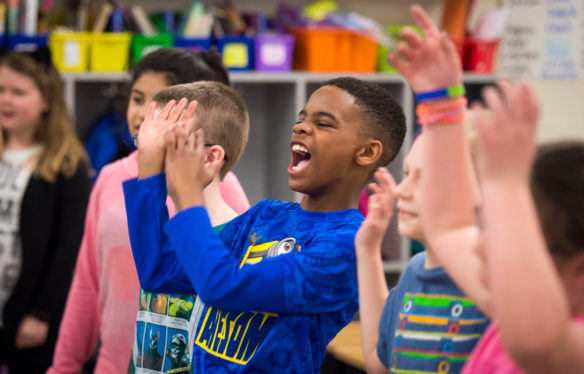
x=215, y=153
x=369, y=153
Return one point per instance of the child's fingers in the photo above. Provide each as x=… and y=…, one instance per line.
x=373, y=206
x=508, y=93
x=167, y=109
x=411, y=36
x=170, y=139
x=520, y=106
x=424, y=21
x=374, y=188
x=176, y=113
x=181, y=137
x=150, y=111
x=199, y=140
x=494, y=102
x=448, y=46
x=187, y=115
x=379, y=203
x=532, y=104
x=404, y=51
x=190, y=111
x=398, y=64
x=387, y=183
x=191, y=141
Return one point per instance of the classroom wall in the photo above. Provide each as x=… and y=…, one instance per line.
x=562, y=109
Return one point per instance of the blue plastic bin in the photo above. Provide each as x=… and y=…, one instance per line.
x=194, y=44
x=19, y=42
x=237, y=52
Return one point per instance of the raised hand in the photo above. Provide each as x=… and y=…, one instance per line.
x=379, y=213
x=190, y=167
x=151, y=144
x=427, y=62
x=507, y=132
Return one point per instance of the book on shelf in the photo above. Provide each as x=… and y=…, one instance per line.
x=103, y=17
x=143, y=23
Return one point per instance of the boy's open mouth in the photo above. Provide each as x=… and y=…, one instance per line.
x=300, y=157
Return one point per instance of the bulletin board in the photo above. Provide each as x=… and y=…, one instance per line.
x=543, y=39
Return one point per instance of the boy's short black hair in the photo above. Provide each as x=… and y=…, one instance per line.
x=384, y=118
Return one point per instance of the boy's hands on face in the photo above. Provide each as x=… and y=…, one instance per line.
x=188, y=167
x=151, y=145
x=379, y=212
x=427, y=62
x=507, y=132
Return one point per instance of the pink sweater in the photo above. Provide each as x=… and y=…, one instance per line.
x=490, y=356
x=103, y=300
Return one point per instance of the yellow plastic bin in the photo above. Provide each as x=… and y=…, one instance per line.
x=110, y=51
x=70, y=50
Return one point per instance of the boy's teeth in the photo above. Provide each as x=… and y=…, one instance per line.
x=299, y=148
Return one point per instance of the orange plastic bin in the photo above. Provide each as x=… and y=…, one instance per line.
x=333, y=49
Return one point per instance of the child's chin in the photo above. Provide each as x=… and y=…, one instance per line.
x=410, y=232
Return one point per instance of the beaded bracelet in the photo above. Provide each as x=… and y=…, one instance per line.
x=451, y=91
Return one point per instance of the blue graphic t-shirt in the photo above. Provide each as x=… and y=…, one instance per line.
x=427, y=324
x=273, y=298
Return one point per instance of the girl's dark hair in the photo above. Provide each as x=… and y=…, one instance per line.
x=182, y=66
x=557, y=184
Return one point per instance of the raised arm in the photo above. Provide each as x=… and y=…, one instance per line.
x=323, y=269
x=373, y=291
x=542, y=338
x=449, y=193
x=145, y=198
x=319, y=278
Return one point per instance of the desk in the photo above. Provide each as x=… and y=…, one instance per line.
x=346, y=346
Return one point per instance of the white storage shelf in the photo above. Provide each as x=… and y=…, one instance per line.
x=273, y=100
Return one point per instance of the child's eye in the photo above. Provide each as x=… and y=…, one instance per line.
x=138, y=100
x=19, y=92
x=322, y=124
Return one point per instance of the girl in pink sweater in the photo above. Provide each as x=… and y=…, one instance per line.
x=103, y=300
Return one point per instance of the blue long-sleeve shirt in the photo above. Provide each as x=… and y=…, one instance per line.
x=273, y=298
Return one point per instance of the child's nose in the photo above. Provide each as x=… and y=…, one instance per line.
x=142, y=112
x=403, y=190
x=302, y=128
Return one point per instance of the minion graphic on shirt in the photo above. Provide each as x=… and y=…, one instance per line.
x=235, y=336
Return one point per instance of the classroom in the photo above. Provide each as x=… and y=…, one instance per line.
x=100, y=102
